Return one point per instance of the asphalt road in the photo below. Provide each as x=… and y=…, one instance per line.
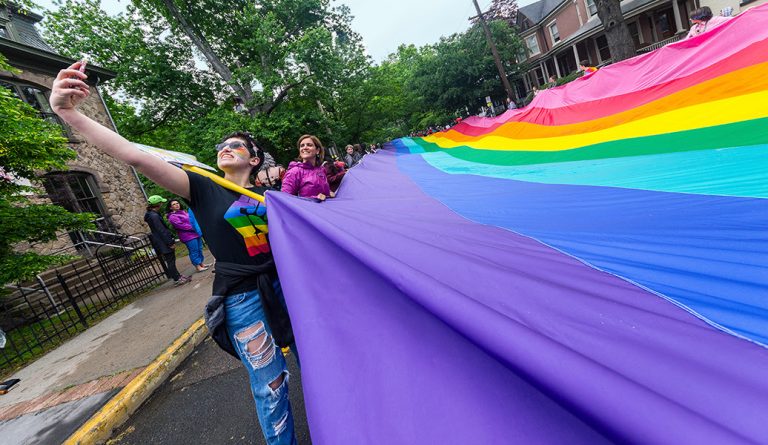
x=207, y=401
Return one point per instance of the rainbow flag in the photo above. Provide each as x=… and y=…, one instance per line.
x=590, y=269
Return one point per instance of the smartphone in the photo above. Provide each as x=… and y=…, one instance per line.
x=83, y=63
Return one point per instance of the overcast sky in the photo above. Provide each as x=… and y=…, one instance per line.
x=385, y=25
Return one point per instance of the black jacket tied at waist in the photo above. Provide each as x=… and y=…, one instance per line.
x=274, y=308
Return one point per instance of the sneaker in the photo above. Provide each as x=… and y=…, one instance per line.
x=202, y=268
x=183, y=280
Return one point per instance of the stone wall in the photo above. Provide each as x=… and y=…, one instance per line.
x=119, y=188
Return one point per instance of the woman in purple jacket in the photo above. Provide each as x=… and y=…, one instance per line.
x=179, y=219
x=306, y=177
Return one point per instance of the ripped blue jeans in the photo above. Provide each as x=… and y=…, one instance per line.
x=247, y=327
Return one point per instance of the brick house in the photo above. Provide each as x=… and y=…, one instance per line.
x=560, y=33
x=94, y=182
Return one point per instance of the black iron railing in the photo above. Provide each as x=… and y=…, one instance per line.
x=39, y=315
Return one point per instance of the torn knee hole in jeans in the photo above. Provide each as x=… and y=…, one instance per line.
x=274, y=384
x=258, y=344
x=250, y=331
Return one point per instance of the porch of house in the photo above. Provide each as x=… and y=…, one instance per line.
x=653, y=26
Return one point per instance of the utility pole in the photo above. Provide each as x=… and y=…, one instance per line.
x=495, y=52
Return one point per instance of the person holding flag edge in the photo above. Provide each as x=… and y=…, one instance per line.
x=246, y=315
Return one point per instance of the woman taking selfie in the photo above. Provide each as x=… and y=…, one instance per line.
x=245, y=289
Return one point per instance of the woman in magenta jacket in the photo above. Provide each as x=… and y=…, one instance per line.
x=179, y=219
x=306, y=177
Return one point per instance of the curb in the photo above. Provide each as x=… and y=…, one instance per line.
x=99, y=427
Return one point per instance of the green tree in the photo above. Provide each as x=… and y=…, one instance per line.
x=419, y=87
x=28, y=146
x=181, y=63
x=296, y=65
x=377, y=105
x=156, y=69
x=459, y=70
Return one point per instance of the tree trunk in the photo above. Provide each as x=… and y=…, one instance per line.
x=244, y=91
x=620, y=42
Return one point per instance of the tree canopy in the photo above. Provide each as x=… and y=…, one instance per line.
x=295, y=65
x=182, y=62
x=459, y=70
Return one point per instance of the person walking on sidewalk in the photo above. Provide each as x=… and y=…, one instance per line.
x=182, y=223
x=246, y=315
x=163, y=240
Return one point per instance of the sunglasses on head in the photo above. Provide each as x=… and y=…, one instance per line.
x=234, y=145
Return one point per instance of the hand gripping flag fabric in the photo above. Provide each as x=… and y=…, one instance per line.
x=592, y=268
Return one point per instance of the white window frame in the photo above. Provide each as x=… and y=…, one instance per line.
x=536, y=41
x=590, y=8
x=521, y=56
x=551, y=25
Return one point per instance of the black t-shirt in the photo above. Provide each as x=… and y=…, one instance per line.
x=233, y=226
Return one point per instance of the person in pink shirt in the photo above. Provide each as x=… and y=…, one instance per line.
x=306, y=177
x=179, y=219
x=703, y=21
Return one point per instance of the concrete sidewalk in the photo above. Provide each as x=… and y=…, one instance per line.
x=62, y=389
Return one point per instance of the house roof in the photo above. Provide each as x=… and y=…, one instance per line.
x=535, y=12
x=28, y=49
x=25, y=28
x=593, y=23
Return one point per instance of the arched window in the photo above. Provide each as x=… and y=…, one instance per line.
x=37, y=98
x=78, y=192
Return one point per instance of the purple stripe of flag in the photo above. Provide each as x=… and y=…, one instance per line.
x=416, y=325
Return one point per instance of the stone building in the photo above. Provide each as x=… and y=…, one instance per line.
x=94, y=182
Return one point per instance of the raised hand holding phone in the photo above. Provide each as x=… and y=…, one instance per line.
x=69, y=88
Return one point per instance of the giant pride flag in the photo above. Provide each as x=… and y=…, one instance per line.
x=592, y=268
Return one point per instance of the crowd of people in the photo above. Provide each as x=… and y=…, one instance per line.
x=304, y=174
x=164, y=241
x=314, y=174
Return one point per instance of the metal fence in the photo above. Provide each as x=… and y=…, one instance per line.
x=38, y=315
